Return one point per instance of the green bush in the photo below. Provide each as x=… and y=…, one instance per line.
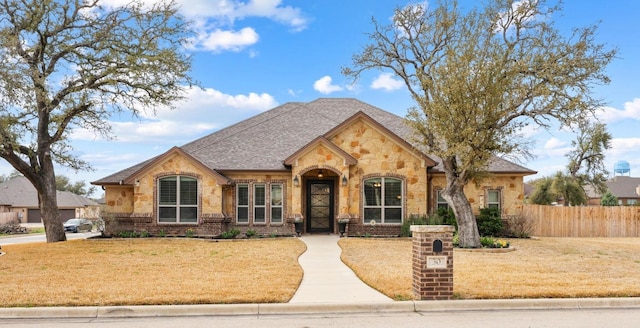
x=230, y=234
x=447, y=216
x=250, y=233
x=412, y=220
x=490, y=242
x=128, y=234
x=489, y=222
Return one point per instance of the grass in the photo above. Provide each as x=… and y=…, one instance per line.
x=545, y=268
x=150, y=271
x=196, y=271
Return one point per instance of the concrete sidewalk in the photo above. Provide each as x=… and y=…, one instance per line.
x=326, y=279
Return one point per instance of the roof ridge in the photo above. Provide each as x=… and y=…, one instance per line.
x=283, y=107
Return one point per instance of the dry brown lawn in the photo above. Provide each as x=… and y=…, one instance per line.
x=150, y=271
x=548, y=267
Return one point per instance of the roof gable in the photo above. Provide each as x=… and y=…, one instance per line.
x=348, y=159
x=362, y=117
x=166, y=156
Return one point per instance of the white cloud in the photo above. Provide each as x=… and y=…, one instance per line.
x=324, y=86
x=387, y=82
x=219, y=40
x=631, y=111
x=554, y=143
x=203, y=111
x=214, y=20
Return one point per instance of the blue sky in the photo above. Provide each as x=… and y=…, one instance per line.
x=251, y=56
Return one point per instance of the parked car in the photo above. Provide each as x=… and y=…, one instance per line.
x=78, y=224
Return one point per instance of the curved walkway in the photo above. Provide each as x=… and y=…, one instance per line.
x=326, y=279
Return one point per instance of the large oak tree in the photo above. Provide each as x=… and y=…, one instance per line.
x=67, y=64
x=478, y=76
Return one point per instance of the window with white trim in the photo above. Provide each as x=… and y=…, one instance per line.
x=259, y=203
x=177, y=199
x=383, y=199
x=276, y=203
x=242, y=203
x=493, y=198
x=440, y=202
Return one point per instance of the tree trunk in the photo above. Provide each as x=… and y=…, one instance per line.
x=467, y=226
x=47, y=197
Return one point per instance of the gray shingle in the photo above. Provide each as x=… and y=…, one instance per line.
x=19, y=192
x=262, y=142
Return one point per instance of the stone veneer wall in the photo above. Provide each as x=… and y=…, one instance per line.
x=378, y=156
x=511, y=187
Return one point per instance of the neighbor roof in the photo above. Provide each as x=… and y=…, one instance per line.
x=264, y=141
x=619, y=186
x=19, y=192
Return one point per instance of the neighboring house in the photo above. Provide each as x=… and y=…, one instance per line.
x=324, y=160
x=625, y=188
x=18, y=195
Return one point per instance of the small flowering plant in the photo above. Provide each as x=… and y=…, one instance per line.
x=490, y=242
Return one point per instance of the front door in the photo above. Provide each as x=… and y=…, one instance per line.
x=320, y=206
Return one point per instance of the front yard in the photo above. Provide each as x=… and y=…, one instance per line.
x=195, y=271
x=548, y=267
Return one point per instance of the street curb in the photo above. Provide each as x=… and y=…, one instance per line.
x=314, y=308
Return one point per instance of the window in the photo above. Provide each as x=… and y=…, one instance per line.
x=276, y=203
x=493, y=199
x=259, y=203
x=177, y=200
x=631, y=201
x=440, y=202
x=383, y=200
x=266, y=203
x=242, y=203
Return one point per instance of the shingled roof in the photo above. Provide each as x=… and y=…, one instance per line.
x=264, y=141
x=19, y=192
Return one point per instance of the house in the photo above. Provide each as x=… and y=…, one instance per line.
x=321, y=161
x=19, y=196
x=625, y=188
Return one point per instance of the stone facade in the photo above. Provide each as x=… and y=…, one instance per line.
x=346, y=157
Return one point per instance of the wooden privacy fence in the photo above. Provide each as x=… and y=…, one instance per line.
x=7, y=217
x=583, y=221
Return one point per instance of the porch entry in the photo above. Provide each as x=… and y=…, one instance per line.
x=320, y=198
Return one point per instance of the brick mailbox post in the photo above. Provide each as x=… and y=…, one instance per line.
x=432, y=262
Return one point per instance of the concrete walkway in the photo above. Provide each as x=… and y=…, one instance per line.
x=326, y=279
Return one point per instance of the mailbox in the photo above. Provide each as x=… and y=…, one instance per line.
x=437, y=246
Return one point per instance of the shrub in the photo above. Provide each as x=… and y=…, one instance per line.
x=250, y=233
x=447, y=216
x=162, y=233
x=519, y=226
x=189, y=233
x=145, y=234
x=412, y=220
x=128, y=234
x=490, y=242
x=230, y=234
x=489, y=222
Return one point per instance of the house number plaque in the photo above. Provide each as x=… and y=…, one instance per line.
x=436, y=262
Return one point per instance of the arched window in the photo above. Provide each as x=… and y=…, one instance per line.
x=177, y=199
x=383, y=199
